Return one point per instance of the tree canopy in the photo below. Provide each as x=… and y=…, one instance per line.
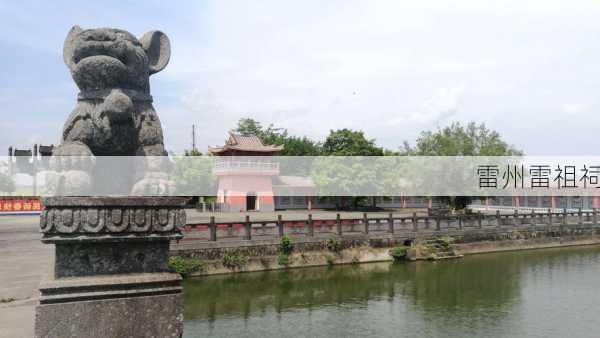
x=292, y=145
x=458, y=140
x=346, y=142
x=192, y=171
x=7, y=184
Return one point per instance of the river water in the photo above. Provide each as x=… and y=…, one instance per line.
x=536, y=293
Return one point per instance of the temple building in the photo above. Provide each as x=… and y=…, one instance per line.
x=249, y=180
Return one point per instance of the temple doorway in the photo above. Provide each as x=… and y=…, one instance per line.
x=251, y=201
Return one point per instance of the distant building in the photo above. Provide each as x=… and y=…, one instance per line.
x=249, y=180
x=245, y=174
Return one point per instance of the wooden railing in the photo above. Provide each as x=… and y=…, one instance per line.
x=410, y=225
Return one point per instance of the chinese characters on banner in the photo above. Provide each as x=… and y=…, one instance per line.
x=538, y=176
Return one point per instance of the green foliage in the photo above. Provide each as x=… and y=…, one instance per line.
x=283, y=259
x=346, y=142
x=334, y=245
x=247, y=126
x=293, y=145
x=7, y=184
x=193, y=152
x=286, y=245
x=459, y=140
x=399, y=252
x=193, y=171
x=344, y=175
x=185, y=265
x=445, y=241
x=234, y=261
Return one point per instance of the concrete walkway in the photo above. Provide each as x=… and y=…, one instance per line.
x=23, y=262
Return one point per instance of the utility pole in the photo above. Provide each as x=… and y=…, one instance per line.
x=193, y=138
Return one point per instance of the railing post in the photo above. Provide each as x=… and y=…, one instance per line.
x=563, y=222
x=415, y=220
x=460, y=225
x=280, y=225
x=438, y=222
x=366, y=223
x=213, y=229
x=579, y=216
x=533, y=220
x=516, y=218
x=594, y=216
x=248, y=227
x=479, y=219
x=338, y=224
x=498, y=220
x=550, y=217
x=311, y=228
x=391, y=223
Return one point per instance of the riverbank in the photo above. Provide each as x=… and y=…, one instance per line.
x=250, y=256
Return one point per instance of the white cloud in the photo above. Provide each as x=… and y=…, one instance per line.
x=374, y=65
x=574, y=108
x=443, y=105
x=390, y=68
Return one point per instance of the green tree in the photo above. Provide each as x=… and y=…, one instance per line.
x=292, y=145
x=248, y=126
x=457, y=139
x=346, y=142
x=7, y=184
x=193, y=172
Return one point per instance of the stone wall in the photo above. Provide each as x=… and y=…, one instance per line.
x=372, y=247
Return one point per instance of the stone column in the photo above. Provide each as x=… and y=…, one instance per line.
x=111, y=276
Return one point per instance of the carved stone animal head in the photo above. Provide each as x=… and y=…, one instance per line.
x=108, y=58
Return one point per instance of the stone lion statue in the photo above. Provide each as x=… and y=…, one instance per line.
x=114, y=115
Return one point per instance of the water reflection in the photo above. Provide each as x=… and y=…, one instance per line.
x=476, y=295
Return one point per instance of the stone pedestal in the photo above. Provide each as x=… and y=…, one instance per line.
x=111, y=275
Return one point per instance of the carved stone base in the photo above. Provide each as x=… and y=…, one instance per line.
x=92, y=259
x=136, y=305
x=111, y=274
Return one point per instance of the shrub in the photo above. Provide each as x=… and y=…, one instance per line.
x=185, y=265
x=286, y=245
x=445, y=240
x=283, y=259
x=399, y=252
x=234, y=261
x=334, y=245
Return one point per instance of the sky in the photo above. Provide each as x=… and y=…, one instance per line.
x=528, y=69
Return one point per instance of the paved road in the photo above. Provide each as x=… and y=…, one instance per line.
x=23, y=262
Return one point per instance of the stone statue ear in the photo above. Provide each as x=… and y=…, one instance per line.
x=68, y=46
x=158, y=48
